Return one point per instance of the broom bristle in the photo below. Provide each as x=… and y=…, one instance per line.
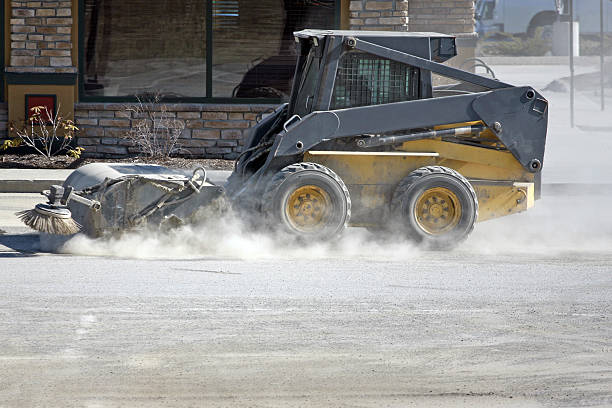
x=48, y=223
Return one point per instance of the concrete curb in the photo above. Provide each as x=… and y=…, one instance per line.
x=33, y=184
x=27, y=186
x=30, y=180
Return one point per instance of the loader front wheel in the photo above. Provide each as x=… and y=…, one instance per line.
x=307, y=199
x=435, y=206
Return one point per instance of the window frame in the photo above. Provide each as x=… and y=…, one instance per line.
x=3, y=51
x=83, y=97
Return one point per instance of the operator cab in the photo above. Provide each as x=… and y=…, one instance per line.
x=326, y=57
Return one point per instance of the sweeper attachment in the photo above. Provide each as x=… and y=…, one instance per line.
x=104, y=199
x=378, y=133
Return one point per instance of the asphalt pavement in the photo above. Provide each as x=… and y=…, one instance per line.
x=457, y=329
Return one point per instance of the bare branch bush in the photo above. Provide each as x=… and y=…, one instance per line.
x=47, y=133
x=154, y=132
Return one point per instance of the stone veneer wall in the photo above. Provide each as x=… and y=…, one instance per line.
x=386, y=15
x=215, y=131
x=41, y=36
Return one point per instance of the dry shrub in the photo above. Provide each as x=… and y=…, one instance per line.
x=47, y=133
x=155, y=131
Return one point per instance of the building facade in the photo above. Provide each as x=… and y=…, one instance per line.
x=215, y=64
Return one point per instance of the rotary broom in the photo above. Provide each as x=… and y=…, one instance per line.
x=54, y=217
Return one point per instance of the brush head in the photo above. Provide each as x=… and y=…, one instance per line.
x=50, y=219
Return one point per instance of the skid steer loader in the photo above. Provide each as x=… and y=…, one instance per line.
x=377, y=133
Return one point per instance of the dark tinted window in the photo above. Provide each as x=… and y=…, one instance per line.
x=133, y=47
x=136, y=47
x=255, y=56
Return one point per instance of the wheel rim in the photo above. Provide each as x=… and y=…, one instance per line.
x=308, y=208
x=437, y=210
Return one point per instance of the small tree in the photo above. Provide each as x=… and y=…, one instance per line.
x=154, y=132
x=48, y=133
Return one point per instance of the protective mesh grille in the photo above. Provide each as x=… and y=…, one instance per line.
x=364, y=79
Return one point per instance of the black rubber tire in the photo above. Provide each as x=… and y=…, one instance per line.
x=294, y=176
x=414, y=185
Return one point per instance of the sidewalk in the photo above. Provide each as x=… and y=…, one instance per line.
x=30, y=180
x=37, y=180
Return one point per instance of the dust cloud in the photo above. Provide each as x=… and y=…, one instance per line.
x=559, y=225
x=228, y=237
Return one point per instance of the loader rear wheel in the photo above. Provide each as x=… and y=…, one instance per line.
x=307, y=199
x=435, y=206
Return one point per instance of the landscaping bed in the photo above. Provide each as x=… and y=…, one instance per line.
x=33, y=161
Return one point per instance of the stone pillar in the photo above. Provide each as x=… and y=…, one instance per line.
x=447, y=17
x=41, y=55
x=387, y=15
x=41, y=37
x=454, y=17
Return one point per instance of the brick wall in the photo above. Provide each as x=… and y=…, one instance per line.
x=41, y=36
x=386, y=15
x=210, y=130
x=442, y=16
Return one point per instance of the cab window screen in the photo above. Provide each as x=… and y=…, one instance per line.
x=364, y=79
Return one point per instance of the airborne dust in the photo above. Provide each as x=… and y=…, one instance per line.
x=557, y=226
